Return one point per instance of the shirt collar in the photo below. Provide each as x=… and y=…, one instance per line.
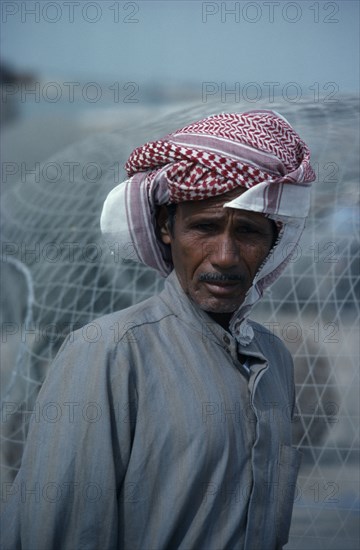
x=186, y=310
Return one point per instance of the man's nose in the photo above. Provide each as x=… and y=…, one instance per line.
x=224, y=253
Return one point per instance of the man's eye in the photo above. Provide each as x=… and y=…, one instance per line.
x=248, y=229
x=205, y=226
x=254, y=229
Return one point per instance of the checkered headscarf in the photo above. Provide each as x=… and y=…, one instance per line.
x=215, y=155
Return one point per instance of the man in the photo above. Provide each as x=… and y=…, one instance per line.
x=170, y=438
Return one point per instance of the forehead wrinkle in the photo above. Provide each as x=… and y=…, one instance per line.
x=218, y=213
x=213, y=206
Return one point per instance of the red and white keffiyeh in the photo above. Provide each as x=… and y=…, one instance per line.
x=257, y=150
x=215, y=155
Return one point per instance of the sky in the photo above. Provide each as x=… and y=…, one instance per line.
x=314, y=45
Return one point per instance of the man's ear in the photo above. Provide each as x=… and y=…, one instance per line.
x=163, y=225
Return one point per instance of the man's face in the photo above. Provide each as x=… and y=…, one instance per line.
x=217, y=251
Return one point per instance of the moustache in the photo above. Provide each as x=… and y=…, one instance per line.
x=220, y=277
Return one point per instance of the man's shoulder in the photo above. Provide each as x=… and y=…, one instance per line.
x=115, y=326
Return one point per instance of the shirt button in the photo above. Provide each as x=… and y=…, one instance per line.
x=226, y=339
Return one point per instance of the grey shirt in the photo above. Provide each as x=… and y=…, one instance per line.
x=149, y=434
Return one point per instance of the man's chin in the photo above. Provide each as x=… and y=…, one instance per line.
x=217, y=306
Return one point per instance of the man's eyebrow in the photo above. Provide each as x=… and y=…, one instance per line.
x=247, y=217
x=205, y=216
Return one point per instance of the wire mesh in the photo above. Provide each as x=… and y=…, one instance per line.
x=58, y=275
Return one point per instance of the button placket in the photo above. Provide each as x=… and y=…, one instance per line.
x=229, y=345
x=226, y=339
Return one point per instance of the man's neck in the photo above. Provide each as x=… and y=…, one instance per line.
x=223, y=319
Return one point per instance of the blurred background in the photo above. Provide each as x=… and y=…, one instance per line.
x=82, y=84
